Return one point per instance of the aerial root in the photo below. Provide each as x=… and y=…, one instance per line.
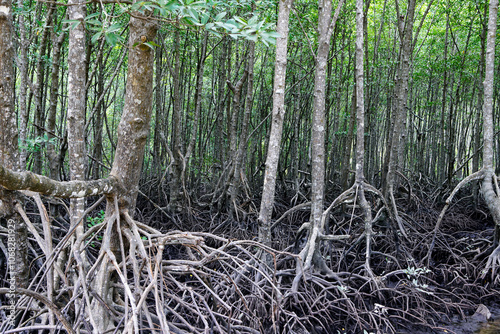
x=309, y=256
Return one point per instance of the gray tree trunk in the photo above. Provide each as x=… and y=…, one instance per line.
x=490, y=194
x=133, y=132
x=9, y=155
x=278, y=115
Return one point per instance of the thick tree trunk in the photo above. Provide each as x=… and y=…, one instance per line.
x=310, y=253
x=23, y=72
x=9, y=155
x=133, y=132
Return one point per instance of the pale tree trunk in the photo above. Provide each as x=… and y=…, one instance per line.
x=477, y=132
x=360, y=135
x=310, y=254
x=76, y=108
x=76, y=120
x=490, y=191
x=278, y=115
x=9, y=156
x=318, y=123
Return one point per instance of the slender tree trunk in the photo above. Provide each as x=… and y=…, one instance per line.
x=76, y=107
x=310, y=253
x=326, y=26
x=480, y=99
x=40, y=91
x=278, y=115
x=491, y=197
x=444, y=144
x=346, y=165
x=51, y=117
x=178, y=159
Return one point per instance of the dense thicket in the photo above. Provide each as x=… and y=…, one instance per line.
x=353, y=126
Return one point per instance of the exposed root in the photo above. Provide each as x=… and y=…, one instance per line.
x=197, y=282
x=309, y=256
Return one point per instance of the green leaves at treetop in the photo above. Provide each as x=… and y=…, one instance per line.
x=94, y=22
x=208, y=14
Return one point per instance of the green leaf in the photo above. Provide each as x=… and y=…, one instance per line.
x=114, y=28
x=112, y=39
x=72, y=24
x=96, y=37
x=151, y=45
x=240, y=20
x=220, y=16
x=94, y=22
x=91, y=16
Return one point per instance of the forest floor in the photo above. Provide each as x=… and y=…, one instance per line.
x=216, y=278
x=410, y=294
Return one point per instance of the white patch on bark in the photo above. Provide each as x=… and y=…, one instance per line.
x=4, y=10
x=137, y=101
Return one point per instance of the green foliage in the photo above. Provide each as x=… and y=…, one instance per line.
x=209, y=14
x=93, y=221
x=98, y=219
x=36, y=144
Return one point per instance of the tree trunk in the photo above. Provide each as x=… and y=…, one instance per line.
x=51, y=117
x=278, y=115
x=9, y=156
x=177, y=143
x=405, y=27
x=23, y=71
x=133, y=132
x=491, y=197
x=76, y=108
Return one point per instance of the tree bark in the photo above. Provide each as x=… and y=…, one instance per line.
x=9, y=155
x=278, y=115
x=51, y=117
x=491, y=197
x=134, y=125
x=405, y=26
